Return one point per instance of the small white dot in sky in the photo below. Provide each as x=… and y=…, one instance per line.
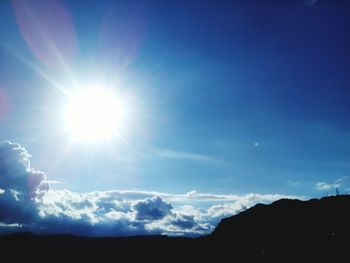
x=256, y=144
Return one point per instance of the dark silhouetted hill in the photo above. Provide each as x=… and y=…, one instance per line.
x=289, y=230
x=284, y=231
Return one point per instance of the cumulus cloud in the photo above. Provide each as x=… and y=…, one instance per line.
x=16, y=173
x=27, y=204
x=152, y=209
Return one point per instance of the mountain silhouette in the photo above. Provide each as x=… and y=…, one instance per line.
x=284, y=231
x=289, y=230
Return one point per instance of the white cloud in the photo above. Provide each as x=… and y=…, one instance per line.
x=341, y=179
x=26, y=206
x=325, y=186
x=16, y=172
x=322, y=186
x=126, y=212
x=153, y=208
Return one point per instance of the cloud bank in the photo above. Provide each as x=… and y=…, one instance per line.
x=28, y=204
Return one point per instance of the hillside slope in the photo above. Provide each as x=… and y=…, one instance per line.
x=312, y=231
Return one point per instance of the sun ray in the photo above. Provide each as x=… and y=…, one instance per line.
x=37, y=70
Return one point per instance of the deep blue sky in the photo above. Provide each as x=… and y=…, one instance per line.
x=228, y=96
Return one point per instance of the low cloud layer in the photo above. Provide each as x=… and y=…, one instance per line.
x=27, y=204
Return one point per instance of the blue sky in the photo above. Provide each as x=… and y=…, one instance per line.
x=228, y=98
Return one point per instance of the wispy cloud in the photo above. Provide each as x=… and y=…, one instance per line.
x=341, y=180
x=326, y=186
x=185, y=156
x=323, y=186
x=308, y=3
x=293, y=183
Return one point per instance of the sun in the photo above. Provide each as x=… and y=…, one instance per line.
x=92, y=114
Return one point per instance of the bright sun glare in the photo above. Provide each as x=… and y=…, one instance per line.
x=92, y=114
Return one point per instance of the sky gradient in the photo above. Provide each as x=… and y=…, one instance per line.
x=238, y=101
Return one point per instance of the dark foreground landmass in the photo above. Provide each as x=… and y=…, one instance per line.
x=317, y=230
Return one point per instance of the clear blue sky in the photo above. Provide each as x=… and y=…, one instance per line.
x=209, y=79
x=227, y=97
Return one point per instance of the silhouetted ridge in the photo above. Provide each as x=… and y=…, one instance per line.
x=316, y=216
x=317, y=229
